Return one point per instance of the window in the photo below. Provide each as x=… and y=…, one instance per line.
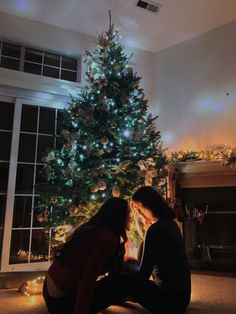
x=6, y=127
x=24, y=239
x=39, y=62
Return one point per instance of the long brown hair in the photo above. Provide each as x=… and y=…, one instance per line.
x=113, y=214
x=153, y=201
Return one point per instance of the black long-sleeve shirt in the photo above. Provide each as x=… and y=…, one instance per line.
x=164, y=256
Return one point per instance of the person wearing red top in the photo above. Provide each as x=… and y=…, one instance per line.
x=163, y=258
x=93, y=249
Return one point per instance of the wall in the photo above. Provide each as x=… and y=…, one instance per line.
x=196, y=91
x=57, y=39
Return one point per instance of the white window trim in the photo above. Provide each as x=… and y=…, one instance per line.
x=42, y=101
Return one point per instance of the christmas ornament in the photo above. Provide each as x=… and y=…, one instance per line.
x=109, y=150
x=231, y=158
x=73, y=210
x=147, y=170
x=116, y=191
x=65, y=133
x=94, y=188
x=100, y=186
x=43, y=217
x=62, y=231
x=104, y=140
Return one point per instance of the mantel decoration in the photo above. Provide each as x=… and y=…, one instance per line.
x=225, y=154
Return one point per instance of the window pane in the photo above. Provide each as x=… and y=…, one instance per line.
x=40, y=175
x=50, y=72
x=19, y=250
x=11, y=50
x=22, y=212
x=9, y=63
x=47, y=120
x=60, y=120
x=24, y=179
x=6, y=116
x=39, y=214
x=4, y=168
x=59, y=143
x=33, y=55
x=32, y=68
x=39, y=246
x=2, y=209
x=44, y=142
x=52, y=59
x=68, y=75
x=69, y=63
x=27, y=148
x=5, y=141
x=29, y=117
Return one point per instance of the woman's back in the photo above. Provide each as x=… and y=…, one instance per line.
x=88, y=259
x=164, y=248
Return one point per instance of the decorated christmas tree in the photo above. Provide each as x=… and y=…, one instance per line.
x=110, y=145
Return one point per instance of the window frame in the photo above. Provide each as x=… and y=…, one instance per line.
x=11, y=193
x=22, y=61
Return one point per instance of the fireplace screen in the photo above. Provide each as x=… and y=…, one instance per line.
x=209, y=227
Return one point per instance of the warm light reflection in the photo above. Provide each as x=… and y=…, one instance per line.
x=32, y=287
x=32, y=300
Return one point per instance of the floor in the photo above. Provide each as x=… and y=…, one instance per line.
x=210, y=295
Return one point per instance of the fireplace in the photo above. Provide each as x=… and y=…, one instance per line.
x=206, y=191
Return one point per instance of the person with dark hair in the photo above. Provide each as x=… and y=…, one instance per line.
x=163, y=256
x=93, y=249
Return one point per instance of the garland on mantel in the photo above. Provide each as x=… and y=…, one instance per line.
x=227, y=156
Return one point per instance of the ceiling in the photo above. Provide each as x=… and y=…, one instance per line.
x=177, y=21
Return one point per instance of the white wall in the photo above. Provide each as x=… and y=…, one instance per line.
x=192, y=82
x=54, y=38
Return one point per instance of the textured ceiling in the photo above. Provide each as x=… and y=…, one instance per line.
x=177, y=21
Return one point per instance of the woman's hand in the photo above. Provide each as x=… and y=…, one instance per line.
x=142, y=222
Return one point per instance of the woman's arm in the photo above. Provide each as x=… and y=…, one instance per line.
x=103, y=248
x=148, y=258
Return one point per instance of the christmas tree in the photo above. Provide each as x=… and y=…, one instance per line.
x=110, y=142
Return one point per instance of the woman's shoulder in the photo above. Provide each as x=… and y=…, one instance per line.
x=161, y=223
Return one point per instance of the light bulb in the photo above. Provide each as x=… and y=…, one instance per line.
x=126, y=133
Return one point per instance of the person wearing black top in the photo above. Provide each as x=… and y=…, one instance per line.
x=163, y=256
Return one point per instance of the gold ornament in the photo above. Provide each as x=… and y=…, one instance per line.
x=62, y=232
x=94, y=188
x=116, y=191
x=102, y=186
x=43, y=217
x=104, y=140
x=147, y=170
x=73, y=210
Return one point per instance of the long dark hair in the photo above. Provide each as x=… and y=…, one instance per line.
x=153, y=201
x=113, y=214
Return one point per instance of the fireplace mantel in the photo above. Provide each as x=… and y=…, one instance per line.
x=204, y=174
